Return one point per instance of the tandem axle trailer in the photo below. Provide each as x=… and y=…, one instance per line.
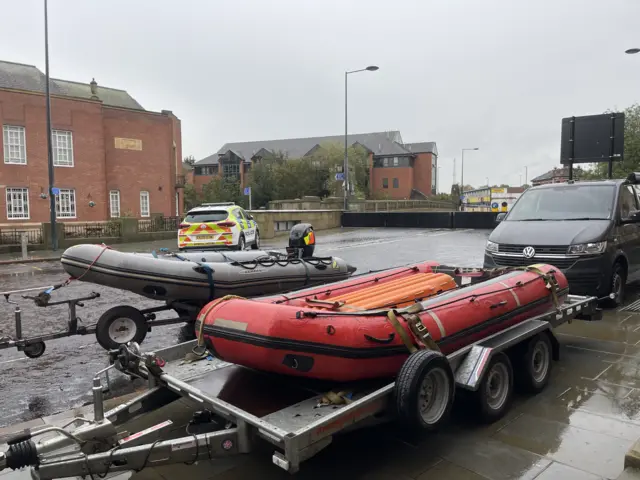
x=236, y=407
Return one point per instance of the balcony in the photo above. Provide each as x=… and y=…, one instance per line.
x=181, y=181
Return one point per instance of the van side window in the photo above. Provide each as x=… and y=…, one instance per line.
x=627, y=201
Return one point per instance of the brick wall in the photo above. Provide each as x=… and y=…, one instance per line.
x=84, y=120
x=97, y=165
x=405, y=182
x=422, y=172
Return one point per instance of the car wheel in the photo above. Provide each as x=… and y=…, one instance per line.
x=617, y=285
x=241, y=243
x=256, y=243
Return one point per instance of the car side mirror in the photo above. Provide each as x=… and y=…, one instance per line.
x=250, y=217
x=634, y=217
x=500, y=217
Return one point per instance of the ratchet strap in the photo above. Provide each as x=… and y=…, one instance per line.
x=333, y=398
x=207, y=269
x=550, y=282
x=395, y=323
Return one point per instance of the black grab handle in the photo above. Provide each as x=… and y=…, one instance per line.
x=380, y=340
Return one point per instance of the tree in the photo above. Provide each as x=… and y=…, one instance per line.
x=190, y=196
x=221, y=190
x=631, y=159
x=189, y=160
x=278, y=177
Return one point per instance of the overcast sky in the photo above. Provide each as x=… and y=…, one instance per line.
x=494, y=74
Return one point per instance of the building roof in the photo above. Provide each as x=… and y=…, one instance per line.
x=555, y=173
x=379, y=143
x=19, y=76
x=422, y=147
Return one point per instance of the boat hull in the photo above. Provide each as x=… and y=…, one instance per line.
x=307, y=341
x=169, y=278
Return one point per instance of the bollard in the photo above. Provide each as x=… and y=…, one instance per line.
x=23, y=243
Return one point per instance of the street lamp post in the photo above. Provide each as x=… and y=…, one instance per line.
x=52, y=199
x=371, y=68
x=462, y=179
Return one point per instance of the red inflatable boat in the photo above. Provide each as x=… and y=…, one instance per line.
x=365, y=327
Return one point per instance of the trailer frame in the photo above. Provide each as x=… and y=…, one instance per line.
x=297, y=431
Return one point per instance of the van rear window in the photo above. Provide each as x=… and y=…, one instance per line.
x=206, y=216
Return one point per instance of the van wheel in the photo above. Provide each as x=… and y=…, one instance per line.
x=617, y=286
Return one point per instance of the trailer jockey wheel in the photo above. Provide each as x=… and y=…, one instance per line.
x=532, y=363
x=35, y=350
x=120, y=325
x=493, y=397
x=424, y=391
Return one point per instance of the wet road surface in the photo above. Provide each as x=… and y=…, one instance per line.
x=579, y=427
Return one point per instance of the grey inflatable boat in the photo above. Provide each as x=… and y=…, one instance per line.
x=200, y=276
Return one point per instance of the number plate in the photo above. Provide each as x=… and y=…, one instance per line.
x=205, y=237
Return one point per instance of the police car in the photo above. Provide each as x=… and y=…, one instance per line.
x=218, y=225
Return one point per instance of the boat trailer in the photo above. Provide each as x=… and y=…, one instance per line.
x=236, y=407
x=108, y=333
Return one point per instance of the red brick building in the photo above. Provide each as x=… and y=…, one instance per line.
x=111, y=157
x=557, y=175
x=397, y=170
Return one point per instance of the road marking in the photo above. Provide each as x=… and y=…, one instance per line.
x=14, y=360
x=37, y=268
x=393, y=240
x=449, y=232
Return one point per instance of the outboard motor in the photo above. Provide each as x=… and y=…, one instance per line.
x=302, y=241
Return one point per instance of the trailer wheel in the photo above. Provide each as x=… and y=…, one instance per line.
x=35, y=350
x=424, y=391
x=120, y=325
x=496, y=389
x=533, y=364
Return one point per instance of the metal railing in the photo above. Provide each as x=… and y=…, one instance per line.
x=89, y=230
x=159, y=224
x=181, y=181
x=395, y=205
x=13, y=236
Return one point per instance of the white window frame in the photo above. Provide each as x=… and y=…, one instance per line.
x=11, y=194
x=396, y=162
x=385, y=162
x=65, y=138
x=66, y=203
x=145, y=194
x=11, y=147
x=114, y=203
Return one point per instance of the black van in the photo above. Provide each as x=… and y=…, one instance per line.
x=588, y=229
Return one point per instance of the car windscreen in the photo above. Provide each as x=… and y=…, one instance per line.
x=570, y=202
x=206, y=216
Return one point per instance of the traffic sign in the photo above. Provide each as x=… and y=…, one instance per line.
x=340, y=176
x=55, y=191
x=247, y=190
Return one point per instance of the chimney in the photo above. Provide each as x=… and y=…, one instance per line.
x=94, y=89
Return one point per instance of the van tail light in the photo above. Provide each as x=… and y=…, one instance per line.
x=184, y=225
x=226, y=224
